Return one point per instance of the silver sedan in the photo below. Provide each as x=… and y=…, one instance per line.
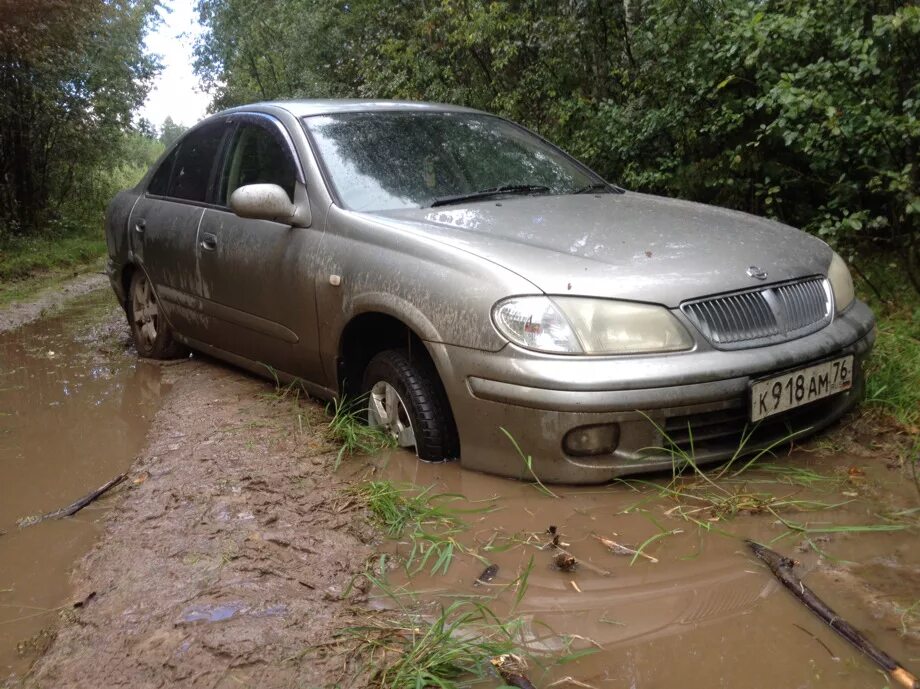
x=483, y=295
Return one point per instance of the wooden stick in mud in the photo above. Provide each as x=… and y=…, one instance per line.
x=76, y=506
x=782, y=567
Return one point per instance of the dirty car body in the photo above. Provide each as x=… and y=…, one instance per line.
x=484, y=295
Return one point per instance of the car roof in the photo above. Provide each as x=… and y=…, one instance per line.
x=304, y=108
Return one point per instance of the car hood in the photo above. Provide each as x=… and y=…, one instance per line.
x=624, y=246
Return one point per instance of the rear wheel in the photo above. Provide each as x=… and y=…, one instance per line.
x=405, y=398
x=153, y=336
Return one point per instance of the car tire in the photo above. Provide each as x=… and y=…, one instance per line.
x=412, y=385
x=153, y=336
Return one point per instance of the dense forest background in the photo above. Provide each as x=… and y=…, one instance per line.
x=72, y=74
x=807, y=111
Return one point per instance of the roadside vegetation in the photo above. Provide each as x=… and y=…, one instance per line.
x=894, y=369
x=71, y=77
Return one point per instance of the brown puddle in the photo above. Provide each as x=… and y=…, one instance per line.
x=75, y=405
x=707, y=614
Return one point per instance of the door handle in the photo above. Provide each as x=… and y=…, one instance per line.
x=208, y=241
x=140, y=226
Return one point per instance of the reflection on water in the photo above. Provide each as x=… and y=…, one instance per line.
x=75, y=405
x=705, y=615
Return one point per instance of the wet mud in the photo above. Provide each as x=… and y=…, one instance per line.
x=75, y=405
x=699, y=610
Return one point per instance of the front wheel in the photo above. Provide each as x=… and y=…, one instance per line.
x=406, y=400
x=153, y=336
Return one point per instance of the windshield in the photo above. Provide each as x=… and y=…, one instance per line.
x=389, y=160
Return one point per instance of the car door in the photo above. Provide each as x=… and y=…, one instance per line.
x=164, y=225
x=256, y=275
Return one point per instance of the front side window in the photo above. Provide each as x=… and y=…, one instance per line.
x=256, y=157
x=194, y=161
x=389, y=160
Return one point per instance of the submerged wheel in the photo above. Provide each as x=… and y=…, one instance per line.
x=406, y=399
x=153, y=336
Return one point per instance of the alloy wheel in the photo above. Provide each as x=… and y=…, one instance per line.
x=386, y=409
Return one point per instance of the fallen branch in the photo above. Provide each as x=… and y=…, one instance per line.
x=782, y=568
x=73, y=507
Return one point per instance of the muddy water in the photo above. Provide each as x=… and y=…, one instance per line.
x=74, y=409
x=706, y=614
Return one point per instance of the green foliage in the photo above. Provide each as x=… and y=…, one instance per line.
x=76, y=238
x=170, y=131
x=893, y=368
x=803, y=111
x=71, y=74
x=23, y=256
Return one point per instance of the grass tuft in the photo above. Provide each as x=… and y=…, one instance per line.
x=423, y=519
x=396, y=509
x=349, y=430
x=410, y=652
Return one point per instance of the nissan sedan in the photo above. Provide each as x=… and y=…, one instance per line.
x=481, y=294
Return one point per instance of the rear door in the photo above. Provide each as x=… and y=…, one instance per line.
x=165, y=221
x=257, y=276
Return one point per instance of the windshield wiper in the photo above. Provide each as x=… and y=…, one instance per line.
x=594, y=186
x=492, y=191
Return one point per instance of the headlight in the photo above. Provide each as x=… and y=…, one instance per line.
x=535, y=323
x=579, y=325
x=841, y=283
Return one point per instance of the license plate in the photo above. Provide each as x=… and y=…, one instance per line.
x=797, y=388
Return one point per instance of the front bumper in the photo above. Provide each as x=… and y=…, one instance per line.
x=538, y=398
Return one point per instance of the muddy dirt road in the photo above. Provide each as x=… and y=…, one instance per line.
x=226, y=558
x=228, y=550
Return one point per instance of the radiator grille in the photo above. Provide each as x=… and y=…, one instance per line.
x=765, y=316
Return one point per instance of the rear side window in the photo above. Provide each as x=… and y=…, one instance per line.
x=257, y=156
x=194, y=161
x=159, y=185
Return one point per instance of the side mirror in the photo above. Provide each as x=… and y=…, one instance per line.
x=269, y=202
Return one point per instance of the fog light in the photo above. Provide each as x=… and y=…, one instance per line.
x=591, y=440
